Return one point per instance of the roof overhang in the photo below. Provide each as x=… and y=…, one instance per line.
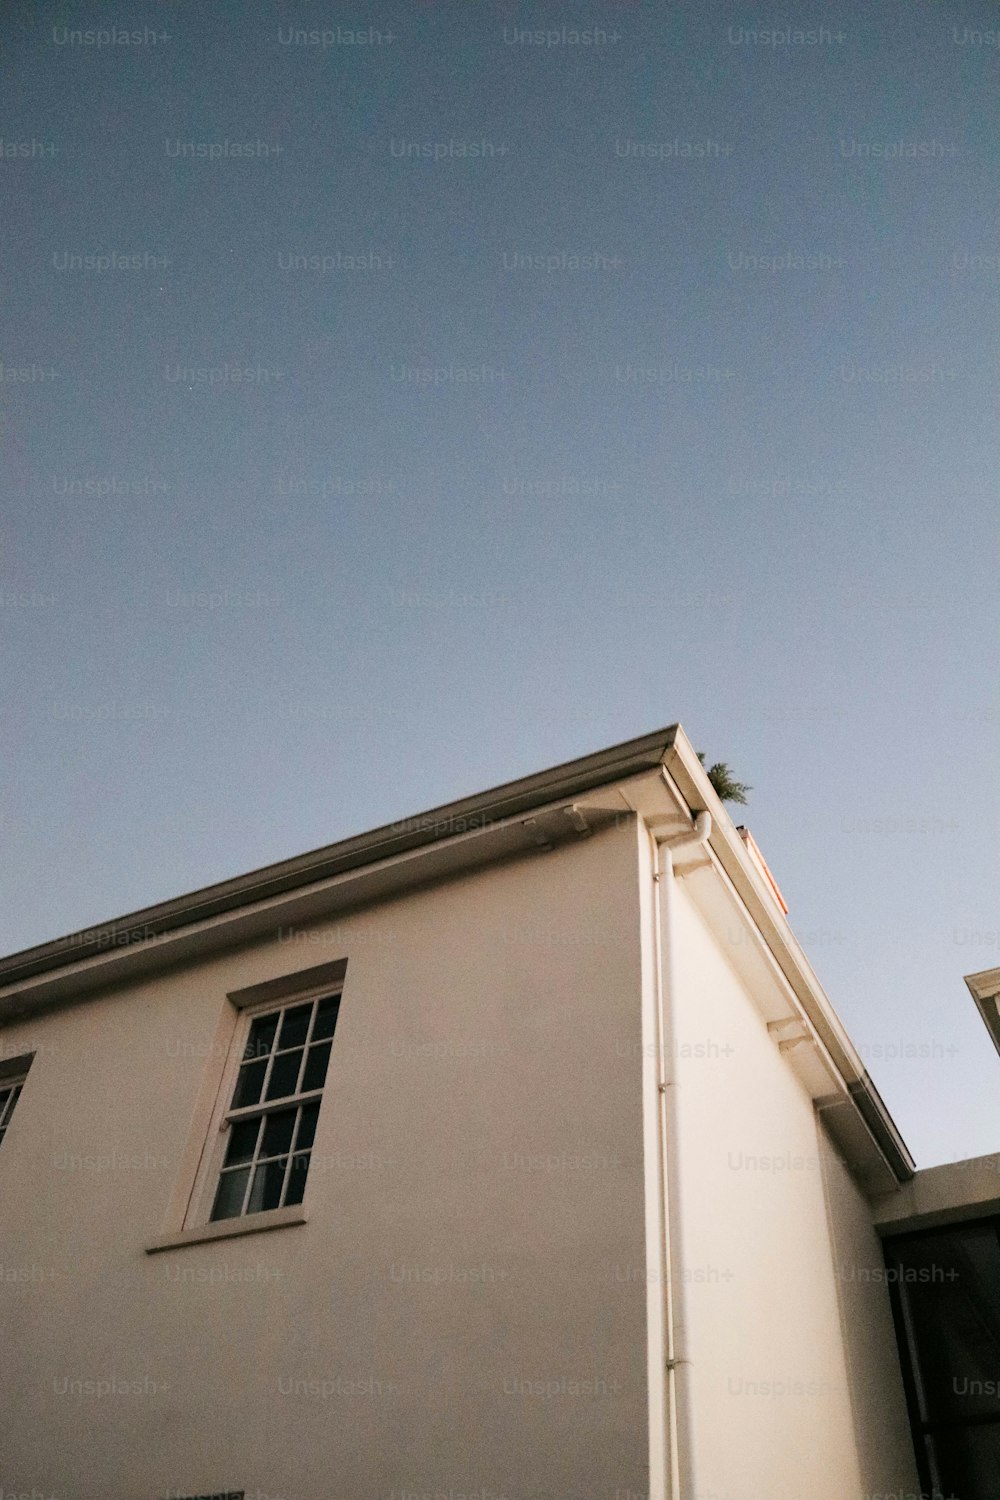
x=984, y=988
x=656, y=776
x=853, y=1110
x=432, y=845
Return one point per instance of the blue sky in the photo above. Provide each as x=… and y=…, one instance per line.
x=509, y=398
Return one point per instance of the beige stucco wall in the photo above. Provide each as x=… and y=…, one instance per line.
x=478, y=1177
x=796, y=1385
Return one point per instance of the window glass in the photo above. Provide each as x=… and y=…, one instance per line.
x=232, y=1190
x=968, y=1460
x=284, y=1075
x=295, y=1027
x=307, y=1126
x=249, y=1084
x=326, y=1018
x=242, y=1142
x=297, y=1179
x=278, y=1132
x=287, y=1053
x=946, y=1295
x=316, y=1065
x=268, y=1181
x=9, y=1096
x=261, y=1039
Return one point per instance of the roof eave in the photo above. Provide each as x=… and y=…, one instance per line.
x=984, y=987
x=151, y=932
x=683, y=766
x=570, y=779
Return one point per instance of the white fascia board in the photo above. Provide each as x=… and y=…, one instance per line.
x=657, y=776
x=683, y=768
x=337, y=895
x=489, y=811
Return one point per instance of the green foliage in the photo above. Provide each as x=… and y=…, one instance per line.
x=727, y=788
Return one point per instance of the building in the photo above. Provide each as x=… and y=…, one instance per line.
x=513, y=1150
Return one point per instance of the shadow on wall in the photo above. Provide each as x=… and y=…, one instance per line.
x=874, y=1378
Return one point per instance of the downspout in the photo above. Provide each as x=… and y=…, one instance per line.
x=678, y=1364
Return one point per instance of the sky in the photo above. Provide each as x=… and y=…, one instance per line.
x=398, y=399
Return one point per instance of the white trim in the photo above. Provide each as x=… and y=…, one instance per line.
x=224, y=1229
x=302, y=984
x=209, y=1170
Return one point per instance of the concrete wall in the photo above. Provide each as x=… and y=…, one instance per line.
x=451, y=1318
x=797, y=1391
x=945, y=1194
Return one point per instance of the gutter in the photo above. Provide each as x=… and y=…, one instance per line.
x=569, y=780
x=666, y=752
x=683, y=769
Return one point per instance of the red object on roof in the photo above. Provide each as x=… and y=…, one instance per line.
x=761, y=863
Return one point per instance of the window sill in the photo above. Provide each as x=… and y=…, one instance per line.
x=225, y=1229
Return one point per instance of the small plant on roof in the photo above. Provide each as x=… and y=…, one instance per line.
x=725, y=785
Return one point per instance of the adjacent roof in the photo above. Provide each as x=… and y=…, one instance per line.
x=985, y=990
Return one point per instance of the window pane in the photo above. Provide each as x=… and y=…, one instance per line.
x=242, y=1140
x=326, y=1018
x=295, y=1027
x=951, y=1284
x=222, y=1495
x=261, y=1038
x=969, y=1460
x=267, y=1157
x=278, y=1133
x=297, y=1178
x=229, y=1198
x=8, y=1099
x=284, y=1074
x=267, y=1184
x=249, y=1084
x=316, y=1064
x=307, y=1127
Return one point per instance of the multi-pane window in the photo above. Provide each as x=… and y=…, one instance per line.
x=272, y=1117
x=945, y=1285
x=10, y=1092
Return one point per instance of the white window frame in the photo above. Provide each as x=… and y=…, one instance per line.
x=202, y=1201
x=218, y=1495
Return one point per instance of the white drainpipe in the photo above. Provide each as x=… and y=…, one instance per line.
x=681, y=1484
